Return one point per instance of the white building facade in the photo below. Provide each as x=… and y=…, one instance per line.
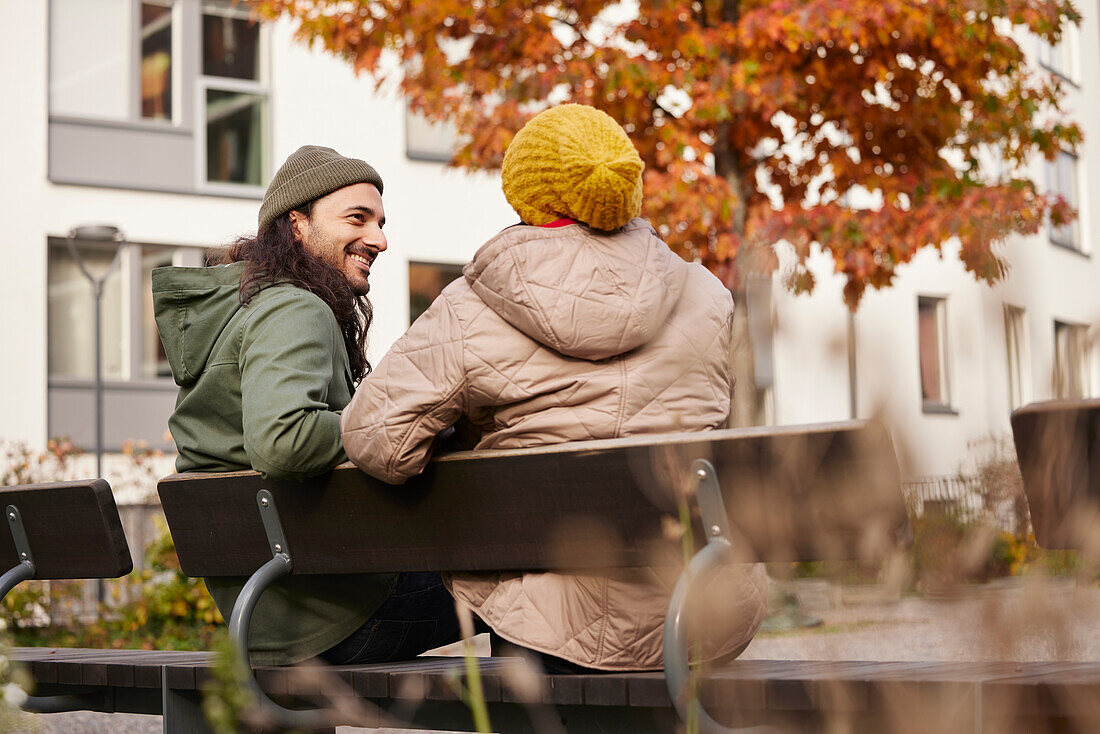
x=167, y=118
x=942, y=359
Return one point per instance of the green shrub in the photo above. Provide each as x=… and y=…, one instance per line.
x=172, y=611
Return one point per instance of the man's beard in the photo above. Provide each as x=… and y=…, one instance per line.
x=322, y=242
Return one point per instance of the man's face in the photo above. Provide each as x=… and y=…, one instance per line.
x=344, y=229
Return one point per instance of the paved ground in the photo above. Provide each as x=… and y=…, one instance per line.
x=1022, y=621
x=1002, y=621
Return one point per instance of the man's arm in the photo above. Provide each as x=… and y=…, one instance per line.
x=286, y=363
x=417, y=391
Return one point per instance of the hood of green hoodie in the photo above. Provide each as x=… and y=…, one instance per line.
x=192, y=307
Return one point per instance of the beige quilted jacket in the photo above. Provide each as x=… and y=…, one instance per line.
x=554, y=335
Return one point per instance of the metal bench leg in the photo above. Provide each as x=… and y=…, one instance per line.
x=25, y=570
x=181, y=711
x=280, y=565
x=717, y=552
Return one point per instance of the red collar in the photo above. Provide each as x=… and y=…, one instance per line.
x=565, y=222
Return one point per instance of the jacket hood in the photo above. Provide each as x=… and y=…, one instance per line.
x=192, y=307
x=584, y=293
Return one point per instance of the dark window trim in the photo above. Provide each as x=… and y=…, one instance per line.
x=1062, y=245
x=930, y=407
x=419, y=157
x=1076, y=84
x=439, y=263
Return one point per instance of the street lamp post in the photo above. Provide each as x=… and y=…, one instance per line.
x=97, y=233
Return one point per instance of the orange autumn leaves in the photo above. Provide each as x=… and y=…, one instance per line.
x=756, y=119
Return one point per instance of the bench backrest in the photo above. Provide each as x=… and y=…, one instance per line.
x=73, y=530
x=810, y=492
x=1058, y=445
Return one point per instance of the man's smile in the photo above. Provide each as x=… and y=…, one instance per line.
x=362, y=260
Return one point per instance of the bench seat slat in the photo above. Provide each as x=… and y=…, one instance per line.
x=755, y=687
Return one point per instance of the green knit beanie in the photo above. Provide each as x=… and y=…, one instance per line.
x=308, y=174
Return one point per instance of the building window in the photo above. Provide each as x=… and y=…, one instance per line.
x=1071, y=367
x=165, y=95
x=230, y=44
x=131, y=348
x=71, y=314
x=156, y=60
x=235, y=125
x=90, y=59
x=1062, y=58
x=426, y=282
x=932, y=344
x=113, y=60
x=1016, y=352
x=1062, y=180
x=235, y=97
x=428, y=141
x=139, y=393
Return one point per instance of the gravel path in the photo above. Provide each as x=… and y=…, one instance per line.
x=1025, y=621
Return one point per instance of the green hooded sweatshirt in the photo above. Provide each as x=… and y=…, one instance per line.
x=261, y=387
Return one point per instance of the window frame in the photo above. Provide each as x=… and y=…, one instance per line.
x=1070, y=50
x=131, y=274
x=1076, y=243
x=1017, y=355
x=943, y=405
x=1078, y=336
x=176, y=78
x=432, y=264
x=260, y=87
x=184, y=133
x=424, y=153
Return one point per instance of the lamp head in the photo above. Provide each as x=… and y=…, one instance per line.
x=96, y=233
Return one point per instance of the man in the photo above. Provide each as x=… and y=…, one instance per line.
x=267, y=348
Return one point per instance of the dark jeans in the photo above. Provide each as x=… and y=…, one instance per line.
x=419, y=615
x=550, y=665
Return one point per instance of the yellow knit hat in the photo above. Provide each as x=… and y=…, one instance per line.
x=577, y=162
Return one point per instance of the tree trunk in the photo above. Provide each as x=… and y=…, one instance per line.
x=743, y=404
x=743, y=407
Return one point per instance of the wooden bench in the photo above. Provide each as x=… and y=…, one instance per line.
x=818, y=493
x=63, y=530
x=792, y=696
x=801, y=493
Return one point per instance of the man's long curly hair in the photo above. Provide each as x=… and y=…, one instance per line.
x=274, y=256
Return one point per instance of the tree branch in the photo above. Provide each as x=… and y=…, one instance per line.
x=574, y=25
x=731, y=11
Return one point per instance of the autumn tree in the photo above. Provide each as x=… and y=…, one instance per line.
x=858, y=125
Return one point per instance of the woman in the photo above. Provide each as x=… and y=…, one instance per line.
x=577, y=324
